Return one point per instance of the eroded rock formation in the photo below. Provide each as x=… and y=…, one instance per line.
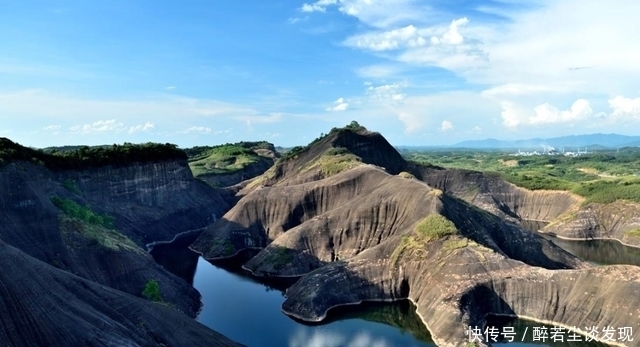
x=355, y=235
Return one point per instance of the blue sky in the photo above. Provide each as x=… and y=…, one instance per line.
x=420, y=72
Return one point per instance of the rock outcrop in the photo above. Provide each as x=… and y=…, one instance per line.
x=457, y=288
x=443, y=238
x=619, y=220
x=44, y=306
x=88, y=265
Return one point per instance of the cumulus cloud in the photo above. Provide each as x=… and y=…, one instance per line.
x=196, y=130
x=546, y=113
x=101, y=126
x=625, y=107
x=511, y=114
x=451, y=36
x=446, y=126
x=141, y=127
x=338, y=105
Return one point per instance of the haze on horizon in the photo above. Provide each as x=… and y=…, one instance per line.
x=420, y=72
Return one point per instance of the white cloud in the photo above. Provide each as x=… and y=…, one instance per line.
x=387, y=92
x=196, y=130
x=546, y=113
x=321, y=338
x=623, y=108
x=52, y=127
x=141, y=127
x=388, y=40
x=451, y=36
x=318, y=6
x=101, y=126
x=338, y=105
x=446, y=126
x=511, y=114
x=170, y=87
x=260, y=119
x=378, y=71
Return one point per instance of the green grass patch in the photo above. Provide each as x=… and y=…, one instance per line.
x=405, y=174
x=83, y=213
x=431, y=228
x=71, y=186
x=151, y=291
x=279, y=257
x=434, y=227
x=108, y=238
x=223, y=159
x=608, y=191
x=224, y=246
x=635, y=233
x=332, y=164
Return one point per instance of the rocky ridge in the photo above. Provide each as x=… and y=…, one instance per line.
x=353, y=236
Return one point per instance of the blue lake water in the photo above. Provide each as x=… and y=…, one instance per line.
x=249, y=312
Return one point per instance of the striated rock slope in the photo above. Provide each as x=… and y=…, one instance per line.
x=44, y=306
x=363, y=232
x=93, y=223
x=499, y=197
x=619, y=220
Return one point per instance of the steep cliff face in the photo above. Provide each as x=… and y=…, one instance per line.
x=458, y=287
x=44, y=306
x=498, y=196
x=619, y=220
x=370, y=147
x=160, y=196
x=150, y=201
x=142, y=196
x=443, y=240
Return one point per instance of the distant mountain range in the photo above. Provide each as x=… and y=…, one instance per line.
x=591, y=141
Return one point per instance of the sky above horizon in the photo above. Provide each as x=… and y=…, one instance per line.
x=431, y=72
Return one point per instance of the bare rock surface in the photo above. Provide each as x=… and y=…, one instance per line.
x=44, y=306
x=355, y=236
x=619, y=220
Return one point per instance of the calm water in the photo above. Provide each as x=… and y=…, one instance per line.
x=600, y=252
x=248, y=311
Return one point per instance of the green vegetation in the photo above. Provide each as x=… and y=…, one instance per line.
x=279, y=257
x=295, y=151
x=97, y=227
x=405, y=174
x=71, y=186
x=434, y=227
x=602, y=177
x=225, y=158
x=151, y=291
x=633, y=233
x=83, y=213
x=332, y=163
x=224, y=246
x=431, y=228
x=84, y=157
x=108, y=238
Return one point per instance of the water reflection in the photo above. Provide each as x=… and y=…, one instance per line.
x=243, y=310
x=600, y=252
x=248, y=311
